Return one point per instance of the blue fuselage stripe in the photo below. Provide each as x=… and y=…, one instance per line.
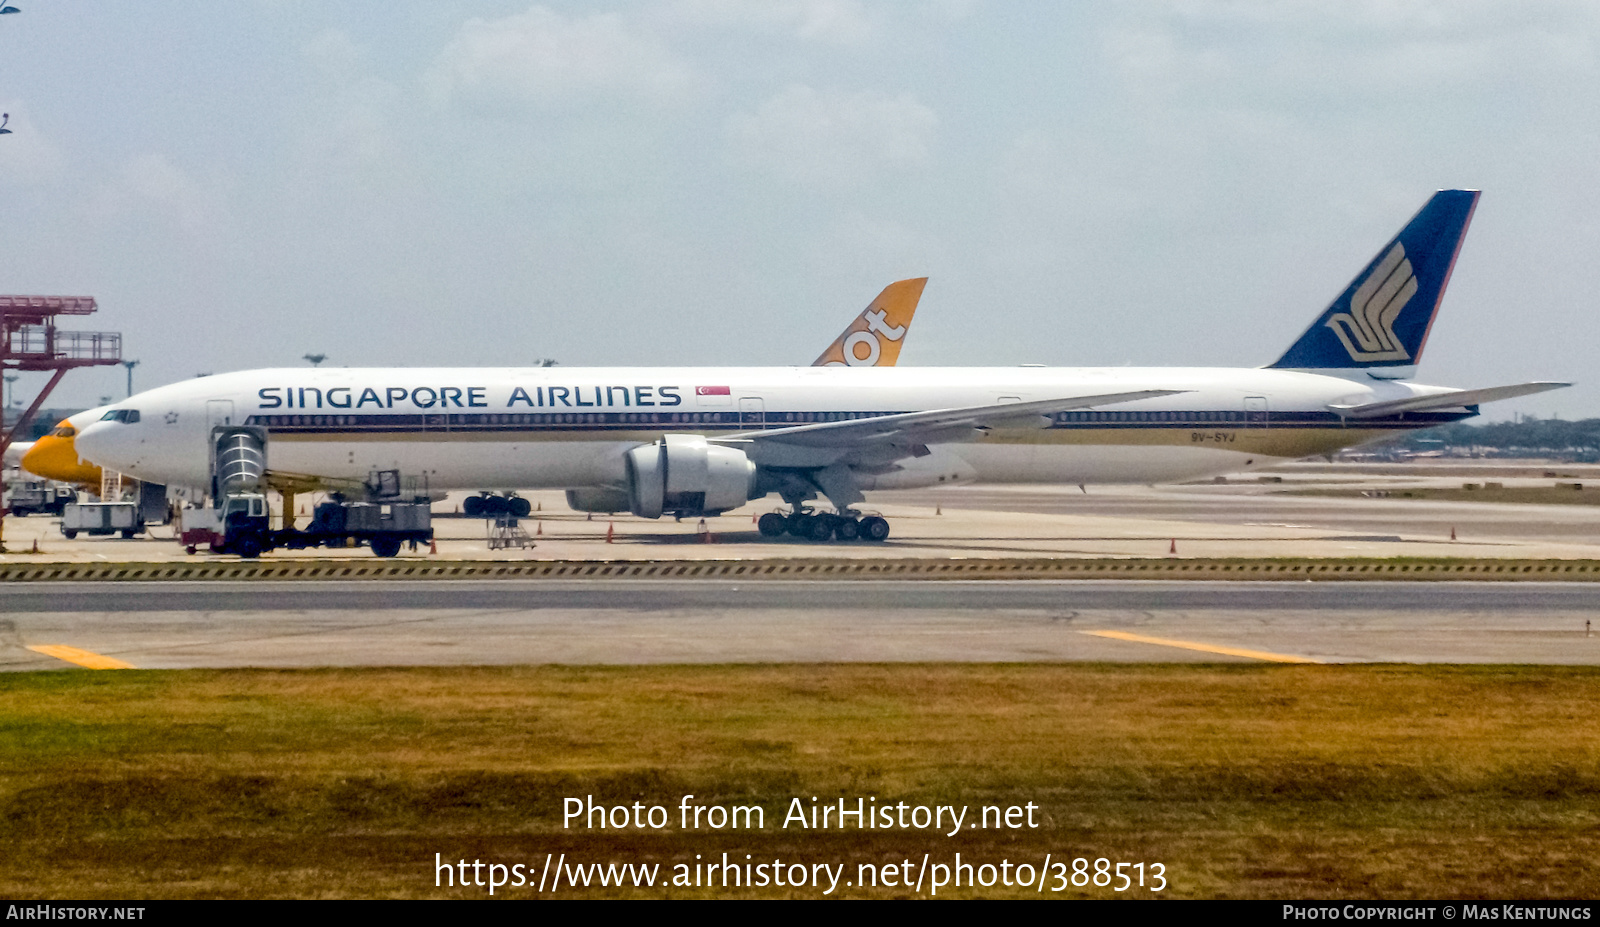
x=538, y=422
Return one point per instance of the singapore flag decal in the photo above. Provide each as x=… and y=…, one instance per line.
x=712, y=391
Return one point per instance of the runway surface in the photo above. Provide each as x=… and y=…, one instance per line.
x=173, y=625
x=1270, y=505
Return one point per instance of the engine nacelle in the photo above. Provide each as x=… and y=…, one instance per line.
x=599, y=499
x=683, y=473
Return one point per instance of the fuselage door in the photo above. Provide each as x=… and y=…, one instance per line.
x=219, y=413
x=752, y=412
x=1255, y=410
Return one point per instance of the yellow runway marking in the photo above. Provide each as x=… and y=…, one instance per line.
x=1204, y=648
x=83, y=658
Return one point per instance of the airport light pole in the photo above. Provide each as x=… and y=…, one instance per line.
x=316, y=359
x=130, y=364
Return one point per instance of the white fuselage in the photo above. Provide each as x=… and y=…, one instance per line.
x=564, y=428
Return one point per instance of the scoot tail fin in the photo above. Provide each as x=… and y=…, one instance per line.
x=1380, y=323
x=875, y=337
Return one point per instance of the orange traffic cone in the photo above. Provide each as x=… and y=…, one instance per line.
x=611, y=528
x=589, y=517
x=753, y=518
x=36, y=545
x=540, y=529
x=938, y=510
x=1452, y=532
x=540, y=507
x=1174, y=548
x=433, y=547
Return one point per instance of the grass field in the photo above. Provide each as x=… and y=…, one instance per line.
x=1244, y=781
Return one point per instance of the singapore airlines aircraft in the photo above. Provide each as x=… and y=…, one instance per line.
x=692, y=441
x=872, y=339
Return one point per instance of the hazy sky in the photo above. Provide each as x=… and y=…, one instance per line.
x=728, y=181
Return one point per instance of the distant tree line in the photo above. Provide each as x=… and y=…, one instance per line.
x=1531, y=437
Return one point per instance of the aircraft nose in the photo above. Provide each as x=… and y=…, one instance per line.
x=96, y=442
x=56, y=458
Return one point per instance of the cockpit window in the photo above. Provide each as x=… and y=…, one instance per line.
x=125, y=416
x=65, y=431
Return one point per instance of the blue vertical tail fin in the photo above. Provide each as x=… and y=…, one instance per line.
x=1380, y=323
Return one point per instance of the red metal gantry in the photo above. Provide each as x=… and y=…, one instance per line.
x=29, y=340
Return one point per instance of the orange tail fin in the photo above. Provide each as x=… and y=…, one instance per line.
x=875, y=337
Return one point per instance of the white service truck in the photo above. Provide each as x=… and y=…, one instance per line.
x=101, y=518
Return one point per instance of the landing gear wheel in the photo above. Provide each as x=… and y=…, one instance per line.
x=874, y=528
x=848, y=529
x=385, y=546
x=819, y=528
x=799, y=524
x=772, y=525
x=520, y=507
x=69, y=533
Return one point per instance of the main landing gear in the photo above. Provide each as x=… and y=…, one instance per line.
x=488, y=505
x=824, y=526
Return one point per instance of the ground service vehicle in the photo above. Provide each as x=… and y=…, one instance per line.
x=100, y=518
x=241, y=524
x=31, y=497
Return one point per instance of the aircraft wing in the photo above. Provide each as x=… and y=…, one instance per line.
x=887, y=437
x=1451, y=400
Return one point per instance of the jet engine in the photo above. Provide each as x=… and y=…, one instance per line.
x=684, y=474
x=602, y=499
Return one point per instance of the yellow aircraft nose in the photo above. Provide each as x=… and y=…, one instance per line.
x=55, y=457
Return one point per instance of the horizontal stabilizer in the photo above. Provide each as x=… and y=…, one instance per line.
x=1451, y=400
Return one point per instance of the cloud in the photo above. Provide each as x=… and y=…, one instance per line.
x=334, y=54
x=27, y=156
x=545, y=60
x=1293, y=53
x=826, y=138
x=839, y=22
x=151, y=187
x=350, y=123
